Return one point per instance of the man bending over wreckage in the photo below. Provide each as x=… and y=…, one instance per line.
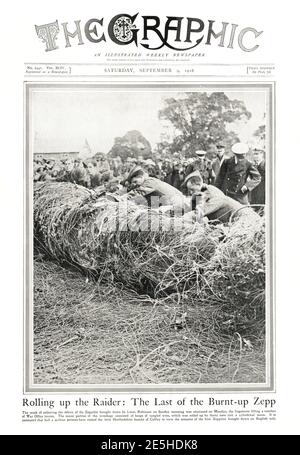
x=212, y=202
x=155, y=192
x=203, y=201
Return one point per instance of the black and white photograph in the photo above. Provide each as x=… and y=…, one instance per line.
x=149, y=236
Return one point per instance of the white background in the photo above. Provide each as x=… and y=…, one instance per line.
x=280, y=45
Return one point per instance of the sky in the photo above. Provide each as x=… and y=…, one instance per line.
x=62, y=119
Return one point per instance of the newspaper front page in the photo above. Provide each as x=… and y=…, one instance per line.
x=147, y=294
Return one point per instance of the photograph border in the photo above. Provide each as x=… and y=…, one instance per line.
x=28, y=385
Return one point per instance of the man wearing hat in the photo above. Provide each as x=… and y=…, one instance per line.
x=149, y=187
x=152, y=168
x=212, y=202
x=238, y=176
x=203, y=165
x=258, y=195
x=65, y=174
x=218, y=161
x=135, y=177
x=127, y=165
x=193, y=183
x=79, y=173
x=175, y=175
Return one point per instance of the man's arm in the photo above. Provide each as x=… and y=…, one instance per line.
x=254, y=177
x=213, y=200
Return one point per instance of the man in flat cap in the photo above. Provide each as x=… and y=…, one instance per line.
x=238, y=176
x=135, y=177
x=203, y=165
x=138, y=181
x=212, y=202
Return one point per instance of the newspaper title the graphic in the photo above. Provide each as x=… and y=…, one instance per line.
x=176, y=33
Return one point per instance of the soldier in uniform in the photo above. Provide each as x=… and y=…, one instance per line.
x=204, y=166
x=238, y=176
x=212, y=202
x=139, y=181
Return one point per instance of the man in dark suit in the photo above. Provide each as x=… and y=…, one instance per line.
x=237, y=176
x=258, y=194
x=175, y=176
x=218, y=161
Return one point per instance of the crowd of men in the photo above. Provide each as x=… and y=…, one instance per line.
x=223, y=184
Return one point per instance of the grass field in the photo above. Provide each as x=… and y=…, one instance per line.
x=88, y=332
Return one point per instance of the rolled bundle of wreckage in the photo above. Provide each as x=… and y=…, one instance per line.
x=116, y=238
x=122, y=242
